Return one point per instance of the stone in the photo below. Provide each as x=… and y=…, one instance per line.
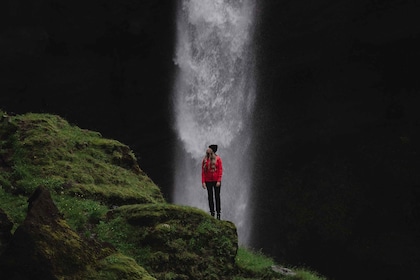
x=5, y=229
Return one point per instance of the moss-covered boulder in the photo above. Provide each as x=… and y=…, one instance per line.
x=44, y=149
x=45, y=247
x=174, y=242
x=118, y=266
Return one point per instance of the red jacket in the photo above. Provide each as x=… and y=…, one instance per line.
x=209, y=175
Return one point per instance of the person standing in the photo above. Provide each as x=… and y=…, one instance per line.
x=211, y=178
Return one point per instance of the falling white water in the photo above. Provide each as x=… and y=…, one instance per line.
x=213, y=103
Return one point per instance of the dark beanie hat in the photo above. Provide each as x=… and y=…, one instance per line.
x=213, y=147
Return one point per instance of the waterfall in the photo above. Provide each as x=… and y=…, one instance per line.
x=213, y=97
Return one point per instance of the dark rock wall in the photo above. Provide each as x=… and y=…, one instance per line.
x=5, y=230
x=338, y=126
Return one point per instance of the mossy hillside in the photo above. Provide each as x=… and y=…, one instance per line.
x=254, y=265
x=43, y=149
x=45, y=247
x=89, y=176
x=14, y=205
x=175, y=242
x=118, y=266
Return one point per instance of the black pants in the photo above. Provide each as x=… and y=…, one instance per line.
x=211, y=188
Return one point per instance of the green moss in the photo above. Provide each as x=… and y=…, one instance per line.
x=181, y=239
x=306, y=274
x=14, y=206
x=87, y=176
x=80, y=212
x=44, y=149
x=118, y=266
x=256, y=262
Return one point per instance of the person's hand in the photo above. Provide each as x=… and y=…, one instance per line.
x=204, y=185
x=218, y=184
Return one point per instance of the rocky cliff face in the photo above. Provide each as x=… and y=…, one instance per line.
x=341, y=131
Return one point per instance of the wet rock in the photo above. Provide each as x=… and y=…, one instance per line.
x=282, y=270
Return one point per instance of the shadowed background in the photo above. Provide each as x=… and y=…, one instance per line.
x=336, y=122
